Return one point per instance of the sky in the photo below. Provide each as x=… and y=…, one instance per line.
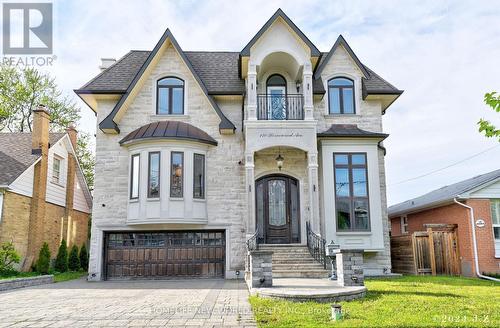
x=444, y=54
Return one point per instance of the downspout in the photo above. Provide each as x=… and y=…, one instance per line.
x=474, y=243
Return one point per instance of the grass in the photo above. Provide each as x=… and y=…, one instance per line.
x=58, y=277
x=409, y=301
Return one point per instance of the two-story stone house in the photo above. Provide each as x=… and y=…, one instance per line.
x=197, y=151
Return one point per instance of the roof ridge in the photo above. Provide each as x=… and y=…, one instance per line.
x=106, y=70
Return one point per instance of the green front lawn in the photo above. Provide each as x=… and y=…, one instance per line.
x=410, y=301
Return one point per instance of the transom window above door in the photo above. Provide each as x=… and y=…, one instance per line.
x=170, y=96
x=341, y=96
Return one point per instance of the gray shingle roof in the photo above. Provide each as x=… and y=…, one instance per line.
x=15, y=154
x=442, y=195
x=219, y=72
x=350, y=130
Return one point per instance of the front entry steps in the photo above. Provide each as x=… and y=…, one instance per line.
x=294, y=261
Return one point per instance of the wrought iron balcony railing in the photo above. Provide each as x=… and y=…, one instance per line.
x=280, y=107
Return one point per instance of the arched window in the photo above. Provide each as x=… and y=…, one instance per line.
x=170, y=96
x=341, y=96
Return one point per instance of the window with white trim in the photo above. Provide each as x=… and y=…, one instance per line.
x=134, y=176
x=404, y=224
x=1, y=205
x=56, y=169
x=495, y=219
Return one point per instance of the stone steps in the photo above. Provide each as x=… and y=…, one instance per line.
x=294, y=261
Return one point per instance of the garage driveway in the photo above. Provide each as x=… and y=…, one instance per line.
x=171, y=303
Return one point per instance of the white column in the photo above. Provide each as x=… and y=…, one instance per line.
x=252, y=92
x=307, y=91
x=312, y=168
x=250, y=191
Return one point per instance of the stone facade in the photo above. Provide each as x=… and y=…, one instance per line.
x=241, y=158
x=9, y=284
x=350, y=267
x=260, y=269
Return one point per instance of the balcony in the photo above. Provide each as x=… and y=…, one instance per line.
x=277, y=107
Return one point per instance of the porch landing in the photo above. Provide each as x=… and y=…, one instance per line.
x=308, y=289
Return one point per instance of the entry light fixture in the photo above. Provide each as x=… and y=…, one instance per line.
x=297, y=85
x=279, y=161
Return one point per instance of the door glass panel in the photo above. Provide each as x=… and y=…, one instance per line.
x=277, y=202
x=277, y=103
x=294, y=211
x=260, y=208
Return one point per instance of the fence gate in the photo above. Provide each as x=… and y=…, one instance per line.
x=431, y=252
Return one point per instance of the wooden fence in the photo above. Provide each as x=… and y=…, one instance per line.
x=427, y=252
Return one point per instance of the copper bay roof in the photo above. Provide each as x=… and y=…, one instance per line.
x=169, y=130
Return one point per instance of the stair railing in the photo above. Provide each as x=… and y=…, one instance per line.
x=316, y=245
x=253, y=241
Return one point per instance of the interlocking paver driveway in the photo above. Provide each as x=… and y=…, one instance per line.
x=171, y=303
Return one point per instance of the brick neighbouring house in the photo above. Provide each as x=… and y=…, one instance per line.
x=43, y=193
x=482, y=193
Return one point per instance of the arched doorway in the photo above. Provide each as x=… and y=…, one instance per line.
x=278, y=209
x=276, y=94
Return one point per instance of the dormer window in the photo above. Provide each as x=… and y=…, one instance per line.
x=170, y=96
x=341, y=96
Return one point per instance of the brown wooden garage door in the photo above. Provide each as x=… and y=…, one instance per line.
x=161, y=255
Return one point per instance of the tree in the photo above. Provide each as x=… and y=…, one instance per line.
x=43, y=263
x=62, y=257
x=86, y=157
x=74, y=260
x=22, y=90
x=84, y=258
x=492, y=99
x=8, y=257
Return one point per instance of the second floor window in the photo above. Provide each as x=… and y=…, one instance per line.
x=351, y=192
x=341, y=96
x=56, y=170
x=176, y=174
x=170, y=96
x=154, y=175
x=404, y=224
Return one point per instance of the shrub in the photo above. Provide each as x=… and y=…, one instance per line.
x=74, y=260
x=84, y=258
x=43, y=263
x=62, y=257
x=8, y=257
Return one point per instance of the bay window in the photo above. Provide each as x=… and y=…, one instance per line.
x=351, y=192
x=134, y=176
x=176, y=174
x=154, y=175
x=199, y=176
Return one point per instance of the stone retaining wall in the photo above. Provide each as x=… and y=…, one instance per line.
x=9, y=284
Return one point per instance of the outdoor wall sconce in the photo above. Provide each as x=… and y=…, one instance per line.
x=297, y=85
x=279, y=161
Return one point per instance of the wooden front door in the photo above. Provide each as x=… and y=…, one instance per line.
x=278, y=209
x=160, y=255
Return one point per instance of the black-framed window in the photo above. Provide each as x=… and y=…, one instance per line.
x=154, y=175
x=351, y=192
x=170, y=96
x=135, y=166
x=341, y=96
x=176, y=174
x=199, y=176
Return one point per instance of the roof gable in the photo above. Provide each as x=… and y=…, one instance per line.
x=110, y=125
x=280, y=14
x=341, y=42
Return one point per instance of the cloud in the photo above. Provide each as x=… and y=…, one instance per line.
x=444, y=54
